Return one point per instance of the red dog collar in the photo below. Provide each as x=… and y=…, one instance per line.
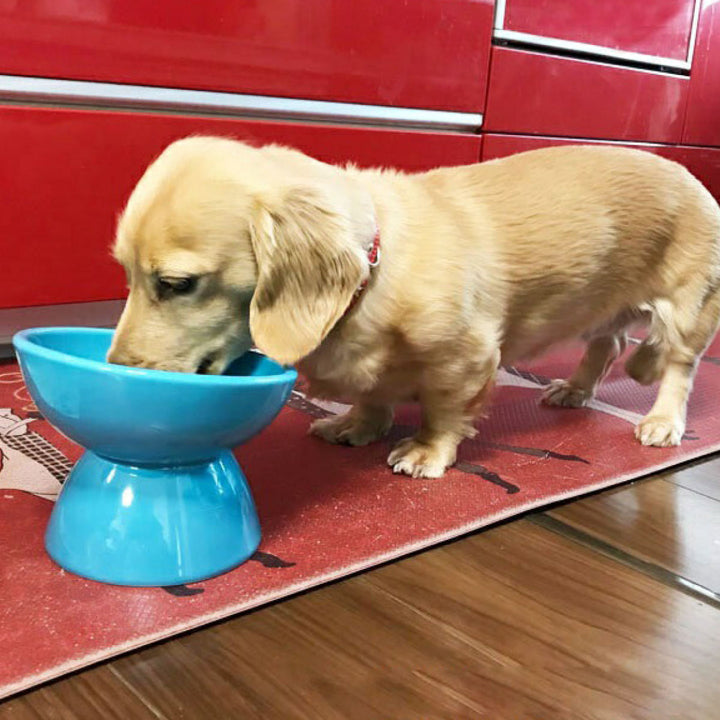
x=373, y=260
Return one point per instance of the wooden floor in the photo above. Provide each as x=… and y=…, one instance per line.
x=606, y=608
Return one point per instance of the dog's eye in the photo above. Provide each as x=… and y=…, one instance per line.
x=171, y=286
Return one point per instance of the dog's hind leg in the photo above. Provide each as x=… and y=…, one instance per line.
x=684, y=327
x=647, y=361
x=601, y=352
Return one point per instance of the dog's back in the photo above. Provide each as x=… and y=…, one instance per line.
x=581, y=234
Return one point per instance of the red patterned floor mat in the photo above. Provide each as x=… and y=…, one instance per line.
x=326, y=511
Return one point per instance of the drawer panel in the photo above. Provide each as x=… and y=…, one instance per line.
x=67, y=173
x=424, y=53
x=703, y=162
x=533, y=93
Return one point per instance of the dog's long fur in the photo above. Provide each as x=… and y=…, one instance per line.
x=480, y=265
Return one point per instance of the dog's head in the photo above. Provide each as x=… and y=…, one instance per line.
x=225, y=245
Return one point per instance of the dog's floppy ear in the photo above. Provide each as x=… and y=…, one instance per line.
x=308, y=271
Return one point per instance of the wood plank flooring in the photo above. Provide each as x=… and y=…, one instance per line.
x=605, y=608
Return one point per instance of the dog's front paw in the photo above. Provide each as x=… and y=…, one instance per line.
x=564, y=394
x=410, y=457
x=348, y=429
x=660, y=431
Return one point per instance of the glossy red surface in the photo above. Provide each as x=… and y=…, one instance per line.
x=66, y=173
x=702, y=162
x=531, y=92
x=702, y=123
x=424, y=53
x=660, y=27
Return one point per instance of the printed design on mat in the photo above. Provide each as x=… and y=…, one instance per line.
x=506, y=376
x=28, y=461
x=265, y=559
x=509, y=376
x=523, y=378
x=20, y=393
x=183, y=590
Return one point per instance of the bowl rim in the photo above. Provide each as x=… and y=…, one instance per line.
x=24, y=343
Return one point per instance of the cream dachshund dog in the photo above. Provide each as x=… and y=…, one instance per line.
x=226, y=245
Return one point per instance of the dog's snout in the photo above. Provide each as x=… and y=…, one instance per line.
x=119, y=355
x=116, y=357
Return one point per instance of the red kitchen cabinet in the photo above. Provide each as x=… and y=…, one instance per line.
x=702, y=123
x=542, y=94
x=704, y=163
x=425, y=53
x=660, y=28
x=498, y=146
x=66, y=173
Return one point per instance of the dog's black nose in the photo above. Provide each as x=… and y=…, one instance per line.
x=204, y=366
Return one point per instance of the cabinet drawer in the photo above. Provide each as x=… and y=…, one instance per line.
x=659, y=29
x=703, y=163
x=67, y=173
x=545, y=95
x=702, y=124
x=424, y=53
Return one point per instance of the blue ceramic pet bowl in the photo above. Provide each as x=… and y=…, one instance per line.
x=158, y=497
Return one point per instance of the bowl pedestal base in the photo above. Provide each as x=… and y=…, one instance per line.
x=153, y=526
